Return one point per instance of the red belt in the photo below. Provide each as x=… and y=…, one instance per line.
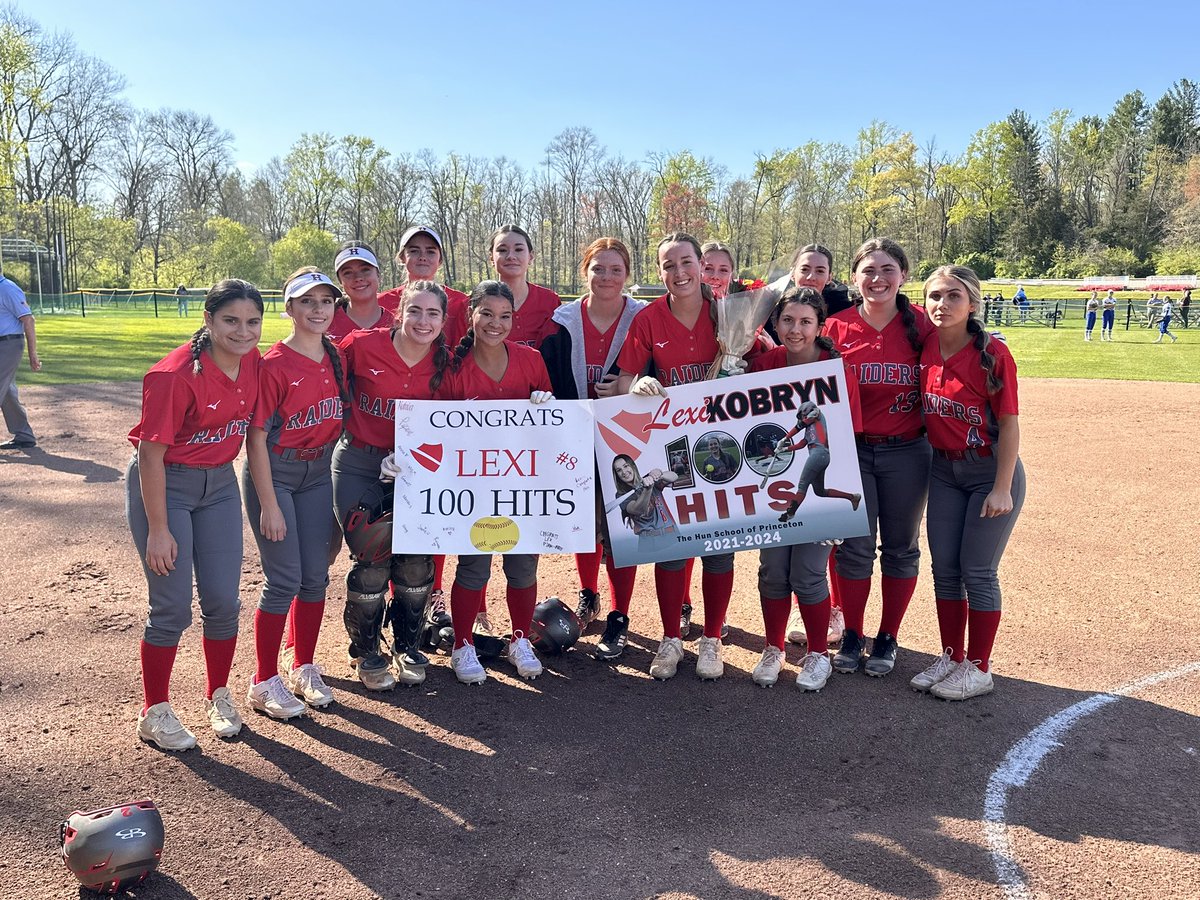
x=304, y=454
x=959, y=455
x=873, y=439
x=363, y=445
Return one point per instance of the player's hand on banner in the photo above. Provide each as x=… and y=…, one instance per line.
x=388, y=469
x=647, y=386
x=606, y=386
x=537, y=398
x=832, y=542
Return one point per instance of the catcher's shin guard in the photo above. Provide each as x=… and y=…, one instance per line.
x=412, y=584
x=366, y=588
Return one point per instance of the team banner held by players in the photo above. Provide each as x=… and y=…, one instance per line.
x=496, y=477
x=759, y=460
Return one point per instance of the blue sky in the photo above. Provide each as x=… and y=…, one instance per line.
x=723, y=80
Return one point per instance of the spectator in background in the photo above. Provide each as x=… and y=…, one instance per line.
x=1185, y=306
x=1153, y=310
x=181, y=301
x=999, y=304
x=16, y=333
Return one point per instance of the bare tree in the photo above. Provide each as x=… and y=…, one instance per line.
x=573, y=155
x=267, y=201
x=198, y=153
x=361, y=162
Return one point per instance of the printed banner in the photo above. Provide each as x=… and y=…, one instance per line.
x=497, y=477
x=759, y=460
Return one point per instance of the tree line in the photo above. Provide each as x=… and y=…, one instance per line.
x=152, y=198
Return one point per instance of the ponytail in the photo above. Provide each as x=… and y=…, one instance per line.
x=339, y=376
x=441, y=360
x=201, y=341
x=987, y=361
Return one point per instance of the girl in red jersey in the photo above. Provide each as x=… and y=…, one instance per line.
x=881, y=340
x=969, y=395
x=289, y=493
x=489, y=367
x=406, y=363
x=183, y=507
x=800, y=569
x=581, y=357
x=511, y=253
x=677, y=335
x=357, y=268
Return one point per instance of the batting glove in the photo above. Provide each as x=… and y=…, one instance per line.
x=537, y=398
x=646, y=386
x=388, y=469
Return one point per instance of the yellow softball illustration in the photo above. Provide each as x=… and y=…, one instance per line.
x=495, y=534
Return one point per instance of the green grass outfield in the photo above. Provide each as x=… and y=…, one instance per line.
x=111, y=346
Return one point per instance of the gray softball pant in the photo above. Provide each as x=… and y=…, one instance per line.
x=354, y=471
x=798, y=569
x=966, y=549
x=15, y=418
x=297, y=566
x=716, y=563
x=520, y=569
x=204, y=515
x=895, y=481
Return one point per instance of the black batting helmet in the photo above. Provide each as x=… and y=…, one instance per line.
x=555, y=627
x=110, y=850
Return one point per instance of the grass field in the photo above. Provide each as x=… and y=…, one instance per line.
x=109, y=346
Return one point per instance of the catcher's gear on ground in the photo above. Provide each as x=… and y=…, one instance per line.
x=368, y=525
x=110, y=850
x=555, y=627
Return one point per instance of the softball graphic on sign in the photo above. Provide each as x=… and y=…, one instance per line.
x=495, y=534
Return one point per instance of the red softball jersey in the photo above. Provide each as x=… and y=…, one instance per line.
x=201, y=418
x=298, y=401
x=456, y=312
x=525, y=374
x=960, y=414
x=378, y=377
x=680, y=355
x=342, y=324
x=596, y=346
x=887, y=369
x=531, y=323
x=776, y=358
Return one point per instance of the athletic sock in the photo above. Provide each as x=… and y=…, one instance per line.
x=268, y=632
x=897, y=592
x=439, y=566
x=855, y=592
x=952, y=625
x=716, y=589
x=464, y=607
x=290, y=640
x=588, y=567
x=218, y=660
x=521, y=602
x=157, y=663
x=620, y=583
x=981, y=633
x=775, y=618
x=306, y=619
x=688, y=568
x=835, y=594
x=816, y=625
x=668, y=585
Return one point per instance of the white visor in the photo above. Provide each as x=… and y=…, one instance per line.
x=302, y=284
x=354, y=253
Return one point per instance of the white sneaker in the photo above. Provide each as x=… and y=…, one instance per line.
x=483, y=625
x=222, y=714
x=766, y=673
x=272, y=698
x=795, y=627
x=666, y=660
x=815, y=670
x=307, y=683
x=837, y=626
x=466, y=665
x=939, y=671
x=963, y=683
x=160, y=726
x=708, y=659
x=520, y=654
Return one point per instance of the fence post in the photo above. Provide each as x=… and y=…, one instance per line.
x=154, y=294
x=1054, y=324
x=82, y=305
x=1128, y=313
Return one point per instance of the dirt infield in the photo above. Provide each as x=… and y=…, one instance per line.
x=595, y=782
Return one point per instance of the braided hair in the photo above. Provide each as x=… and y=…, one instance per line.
x=219, y=295
x=903, y=305
x=806, y=297
x=979, y=335
x=488, y=288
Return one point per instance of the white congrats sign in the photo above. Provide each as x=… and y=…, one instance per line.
x=497, y=477
x=759, y=460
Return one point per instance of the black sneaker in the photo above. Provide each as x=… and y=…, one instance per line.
x=685, y=621
x=883, y=655
x=616, y=631
x=724, y=630
x=588, y=609
x=849, y=657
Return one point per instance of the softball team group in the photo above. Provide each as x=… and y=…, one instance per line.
x=934, y=410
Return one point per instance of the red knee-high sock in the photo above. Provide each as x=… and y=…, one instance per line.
x=620, y=583
x=952, y=625
x=981, y=629
x=775, y=617
x=157, y=663
x=307, y=618
x=669, y=587
x=268, y=632
x=896, y=594
x=464, y=607
x=290, y=640
x=715, y=588
x=218, y=660
x=521, y=602
x=439, y=566
x=835, y=594
x=588, y=567
x=816, y=625
x=855, y=592
x=688, y=568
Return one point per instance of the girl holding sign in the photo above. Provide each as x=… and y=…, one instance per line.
x=488, y=367
x=677, y=335
x=511, y=253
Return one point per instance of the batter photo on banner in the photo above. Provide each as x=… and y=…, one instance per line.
x=759, y=460
x=496, y=477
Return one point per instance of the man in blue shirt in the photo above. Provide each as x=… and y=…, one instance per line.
x=16, y=333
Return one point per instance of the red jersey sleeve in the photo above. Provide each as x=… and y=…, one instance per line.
x=638, y=348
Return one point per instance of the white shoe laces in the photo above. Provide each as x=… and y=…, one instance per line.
x=522, y=653
x=772, y=656
x=278, y=693
x=308, y=679
x=223, y=705
x=465, y=658
x=667, y=651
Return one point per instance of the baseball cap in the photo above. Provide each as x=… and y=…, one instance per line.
x=302, y=284
x=422, y=229
x=362, y=253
